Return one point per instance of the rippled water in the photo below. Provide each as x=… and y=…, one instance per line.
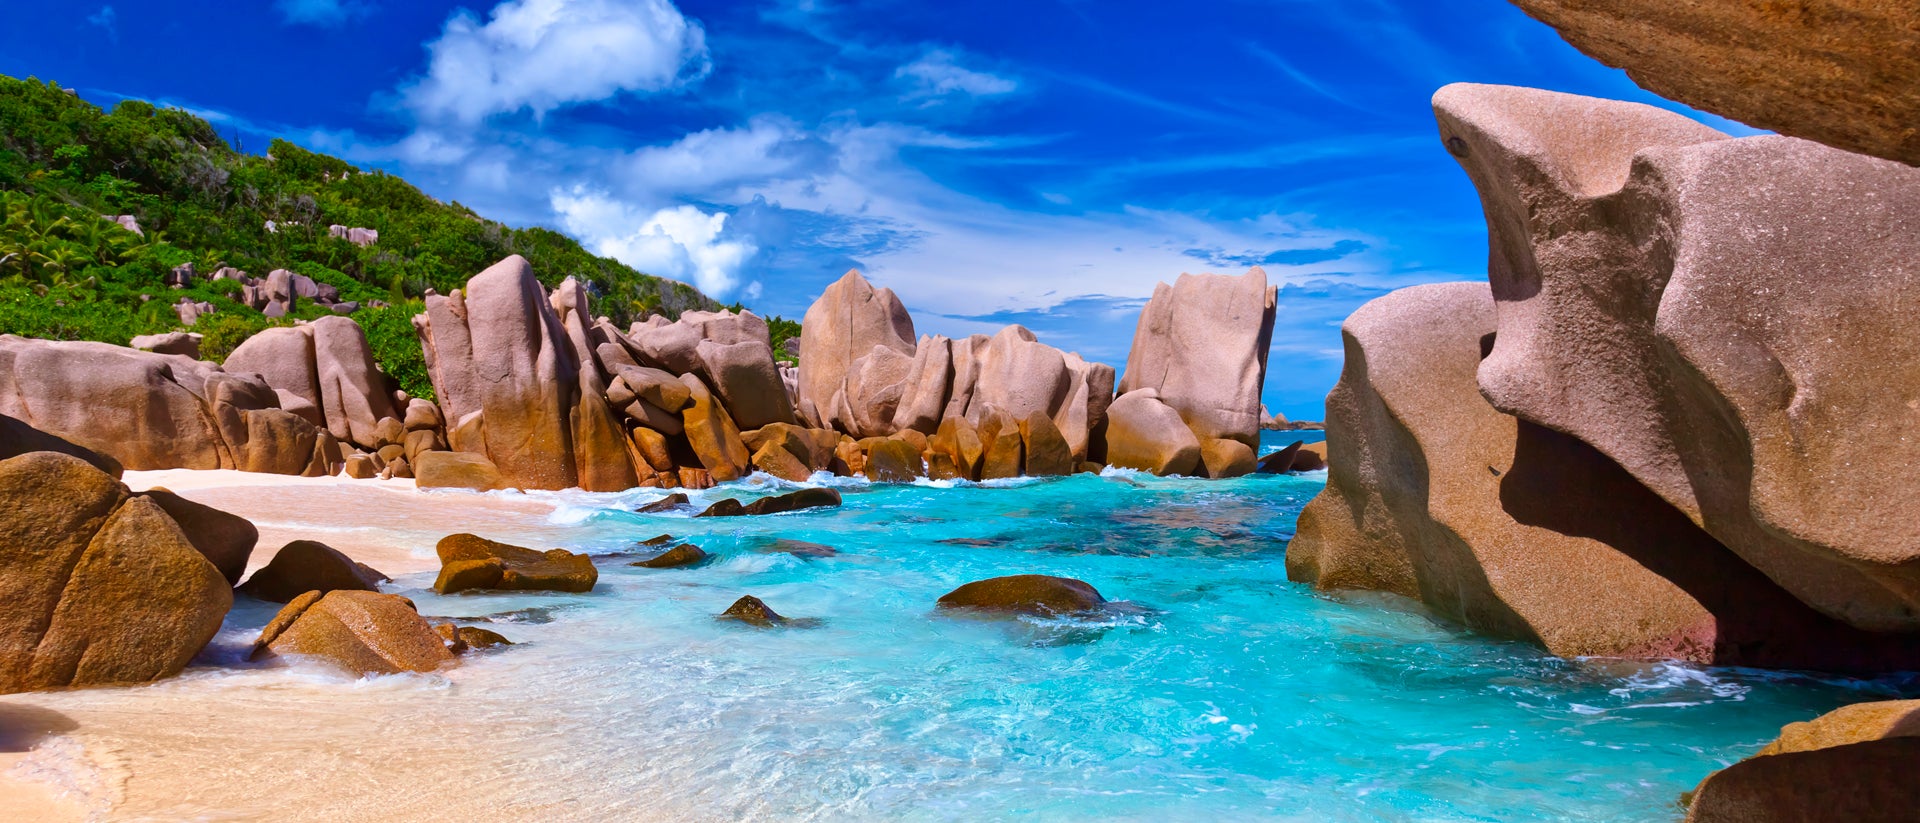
x=1218, y=691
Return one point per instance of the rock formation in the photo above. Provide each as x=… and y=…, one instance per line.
x=1837, y=71
x=156, y=411
x=1854, y=763
x=1025, y=594
x=1728, y=319
x=100, y=586
x=1202, y=345
x=324, y=372
x=845, y=324
x=359, y=631
x=306, y=566
x=472, y=562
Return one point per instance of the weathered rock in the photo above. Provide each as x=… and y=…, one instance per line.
x=924, y=392
x=1046, y=451
x=1202, y=344
x=1684, y=301
x=751, y=610
x=361, y=466
x=695, y=478
x=464, y=575
x=1854, y=763
x=685, y=554
x=668, y=503
x=959, y=441
x=1279, y=462
x=775, y=459
x=651, y=447
x=455, y=470
x=354, y=394
x=1522, y=532
x=1836, y=71
x=185, y=344
x=1146, y=434
x=894, y=461
x=1003, y=452
x=1312, y=457
x=525, y=569
x=875, y=383
x=1221, y=458
x=304, y=566
x=226, y=540
x=848, y=320
x=747, y=380
x=810, y=498
x=711, y=432
x=505, y=375
x=99, y=587
x=362, y=632
x=18, y=438
x=285, y=359
x=463, y=639
x=422, y=415
x=1025, y=594
x=600, y=444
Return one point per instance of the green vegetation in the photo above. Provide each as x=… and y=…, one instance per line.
x=69, y=272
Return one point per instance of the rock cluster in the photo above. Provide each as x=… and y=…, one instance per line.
x=1190, y=399
x=1854, y=763
x=533, y=385
x=1672, y=426
x=101, y=586
x=157, y=411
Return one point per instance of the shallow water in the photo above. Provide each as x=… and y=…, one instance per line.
x=1216, y=690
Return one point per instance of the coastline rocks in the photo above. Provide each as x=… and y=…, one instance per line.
x=305, y=565
x=185, y=344
x=362, y=632
x=811, y=498
x=712, y=433
x=1146, y=434
x=17, y=438
x=463, y=639
x=1492, y=521
x=100, y=586
x=1731, y=320
x=1025, y=594
x=668, y=503
x=752, y=611
x=600, y=443
x=844, y=324
x=893, y=461
x=505, y=375
x=226, y=540
x=473, y=562
x=456, y=470
x=1836, y=71
x=1854, y=763
x=747, y=380
x=1202, y=345
x=681, y=556
x=1226, y=458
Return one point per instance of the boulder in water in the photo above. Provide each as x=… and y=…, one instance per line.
x=1146, y=434
x=521, y=569
x=1201, y=345
x=1854, y=763
x=1025, y=594
x=362, y=632
x=665, y=504
x=752, y=611
x=306, y=565
x=685, y=554
x=848, y=320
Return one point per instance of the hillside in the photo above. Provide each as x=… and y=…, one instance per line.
x=68, y=271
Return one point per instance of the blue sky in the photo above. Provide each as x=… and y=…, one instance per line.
x=1042, y=162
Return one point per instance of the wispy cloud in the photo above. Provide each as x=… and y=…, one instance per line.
x=106, y=19
x=938, y=75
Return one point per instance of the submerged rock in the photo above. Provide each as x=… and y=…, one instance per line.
x=1854, y=764
x=463, y=639
x=362, y=632
x=98, y=586
x=751, y=610
x=468, y=559
x=665, y=504
x=1025, y=594
x=685, y=554
x=305, y=565
x=809, y=498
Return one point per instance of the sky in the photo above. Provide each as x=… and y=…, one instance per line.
x=1042, y=162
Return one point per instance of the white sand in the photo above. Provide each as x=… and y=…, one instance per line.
x=191, y=747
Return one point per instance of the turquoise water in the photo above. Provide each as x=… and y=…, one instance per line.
x=1216, y=691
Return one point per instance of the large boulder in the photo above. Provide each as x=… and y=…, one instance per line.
x=226, y=540
x=354, y=394
x=145, y=410
x=748, y=381
x=924, y=393
x=306, y=565
x=18, y=438
x=712, y=433
x=100, y=586
x=1731, y=320
x=848, y=320
x=1837, y=71
x=599, y=441
x=505, y=375
x=1522, y=532
x=1145, y=433
x=456, y=470
x=875, y=383
x=1014, y=373
x=285, y=359
x=1202, y=344
x=1854, y=763
x=519, y=568
x=1025, y=594
x=362, y=632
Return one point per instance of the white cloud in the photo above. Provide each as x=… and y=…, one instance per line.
x=938, y=74
x=544, y=54
x=106, y=18
x=325, y=13
x=766, y=147
x=683, y=243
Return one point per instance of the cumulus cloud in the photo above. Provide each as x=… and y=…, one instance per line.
x=938, y=74
x=324, y=13
x=683, y=243
x=544, y=54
